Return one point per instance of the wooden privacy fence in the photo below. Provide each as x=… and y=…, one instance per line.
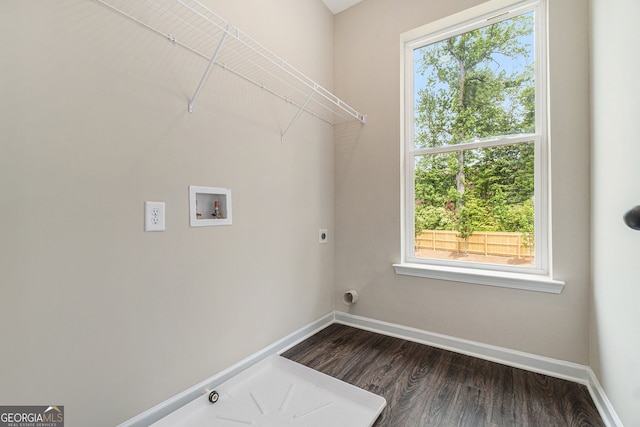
x=480, y=242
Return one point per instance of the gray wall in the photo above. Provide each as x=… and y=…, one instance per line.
x=108, y=320
x=96, y=314
x=367, y=72
x=615, y=319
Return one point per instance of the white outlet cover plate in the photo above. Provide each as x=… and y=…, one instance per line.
x=154, y=216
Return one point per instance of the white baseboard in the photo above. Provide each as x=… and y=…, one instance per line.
x=176, y=402
x=552, y=367
x=609, y=415
x=530, y=362
x=555, y=368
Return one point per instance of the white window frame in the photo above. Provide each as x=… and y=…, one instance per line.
x=537, y=278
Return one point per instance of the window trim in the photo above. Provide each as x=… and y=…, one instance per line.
x=502, y=279
x=539, y=277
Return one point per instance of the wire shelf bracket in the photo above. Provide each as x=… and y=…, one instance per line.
x=208, y=70
x=295, y=118
x=192, y=26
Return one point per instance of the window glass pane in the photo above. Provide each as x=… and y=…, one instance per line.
x=476, y=205
x=476, y=85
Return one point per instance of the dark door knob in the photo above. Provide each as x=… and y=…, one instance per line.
x=632, y=217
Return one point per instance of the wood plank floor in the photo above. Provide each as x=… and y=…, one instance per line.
x=426, y=386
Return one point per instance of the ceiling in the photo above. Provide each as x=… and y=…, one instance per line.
x=337, y=6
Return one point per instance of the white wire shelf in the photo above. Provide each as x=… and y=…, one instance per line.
x=191, y=25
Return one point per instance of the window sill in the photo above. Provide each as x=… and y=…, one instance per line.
x=528, y=282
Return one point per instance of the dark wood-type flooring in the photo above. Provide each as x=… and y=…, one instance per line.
x=426, y=386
